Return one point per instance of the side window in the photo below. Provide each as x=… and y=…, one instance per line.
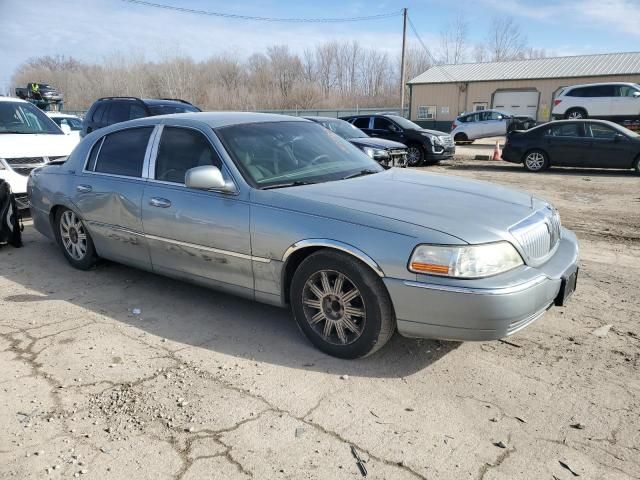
x=181, y=149
x=98, y=114
x=576, y=92
x=494, y=116
x=625, y=91
x=380, y=123
x=122, y=152
x=119, y=112
x=601, y=132
x=91, y=164
x=565, y=130
x=361, y=122
x=137, y=111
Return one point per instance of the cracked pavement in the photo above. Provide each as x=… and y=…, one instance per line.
x=205, y=385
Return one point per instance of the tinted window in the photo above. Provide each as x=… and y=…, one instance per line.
x=169, y=109
x=564, y=130
x=600, y=131
x=380, y=123
x=362, y=122
x=119, y=112
x=575, y=92
x=98, y=114
x=598, y=91
x=181, y=149
x=122, y=152
x=91, y=164
x=137, y=111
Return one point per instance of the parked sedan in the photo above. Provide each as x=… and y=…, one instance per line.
x=385, y=152
x=280, y=210
x=487, y=123
x=574, y=143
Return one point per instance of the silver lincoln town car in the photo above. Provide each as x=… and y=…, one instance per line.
x=281, y=210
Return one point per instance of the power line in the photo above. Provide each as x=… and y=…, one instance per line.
x=431, y=57
x=264, y=19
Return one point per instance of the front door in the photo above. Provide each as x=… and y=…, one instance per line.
x=626, y=103
x=567, y=145
x=109, y=195
x=193, y=233
x=606, y=150
x=495, y=124
x=385, y=128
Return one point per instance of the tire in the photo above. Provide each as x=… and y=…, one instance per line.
x=576, y=113
x=319, y=300
x=535, y=161
x=636, y=165
x=415, y=155
x=461, y=138
x=74, y=239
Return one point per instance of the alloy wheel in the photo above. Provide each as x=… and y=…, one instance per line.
x=575, y=115
x=73, y=235
x=334, y=307
x=534, y=161
x=413, y=155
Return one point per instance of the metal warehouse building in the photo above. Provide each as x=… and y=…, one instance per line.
x=525, y=87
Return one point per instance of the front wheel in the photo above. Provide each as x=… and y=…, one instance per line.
x=636, y=165
x=415, y=155
x=341, y=306
x=575, y=114
x=74, y=240
x=536, y=161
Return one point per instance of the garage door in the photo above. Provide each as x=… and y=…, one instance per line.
x=517, y=102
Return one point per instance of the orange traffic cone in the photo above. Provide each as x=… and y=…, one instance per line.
x=497, y=154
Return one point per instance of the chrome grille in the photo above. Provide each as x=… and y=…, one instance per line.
x=25, y=161
x=447, y=140
x=538, y=235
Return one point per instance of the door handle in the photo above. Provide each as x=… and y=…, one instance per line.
x=159, y=202
x=84, y=188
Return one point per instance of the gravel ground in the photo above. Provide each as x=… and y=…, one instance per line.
x=201, y=385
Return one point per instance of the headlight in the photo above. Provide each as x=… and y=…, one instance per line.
x=376, y=153
x=465, y=261
x=430, y=137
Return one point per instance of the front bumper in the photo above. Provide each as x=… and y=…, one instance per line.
x=436, y=153
x=472, y=310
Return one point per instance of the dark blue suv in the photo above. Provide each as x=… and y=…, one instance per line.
x=109, y=110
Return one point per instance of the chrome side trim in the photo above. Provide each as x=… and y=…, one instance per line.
x=480, y=291
x=344, y=247
x=184, y=244
x=209, y=249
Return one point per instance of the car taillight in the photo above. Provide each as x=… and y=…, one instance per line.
x=453, y=125
x=556, y=102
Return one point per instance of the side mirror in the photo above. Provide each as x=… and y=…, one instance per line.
x=66, y=129
x=208, y=177
x=636, y=94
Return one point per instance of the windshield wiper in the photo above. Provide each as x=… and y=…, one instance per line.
x=361, y=173
x=288, y=184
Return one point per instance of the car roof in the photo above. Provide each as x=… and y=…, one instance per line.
x=61, y=115
x=164, y=101
x=586, y=120
x=321, y=119
x=212, y=119
x=12, y=99
x=597, y=84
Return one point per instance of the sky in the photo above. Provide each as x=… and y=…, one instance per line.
x=93, y=30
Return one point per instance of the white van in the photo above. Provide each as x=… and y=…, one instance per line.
x=609, y=101
x=28, y=139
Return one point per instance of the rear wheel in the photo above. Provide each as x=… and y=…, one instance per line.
x=536, y=161
x=461, y=138
x=575, y=113
x=341, y=306
x=415, y=155
x=74, y=239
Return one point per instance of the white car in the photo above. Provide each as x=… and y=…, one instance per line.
x=69, y=124
x=487, y=123
x=28, y=139
x=611, y=101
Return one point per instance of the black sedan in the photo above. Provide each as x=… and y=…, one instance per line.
x=386, y=152
x=574, y=143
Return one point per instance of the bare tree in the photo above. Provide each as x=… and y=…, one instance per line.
x=454, y=39
x=505, y=40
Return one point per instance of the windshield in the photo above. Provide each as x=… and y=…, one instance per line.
x=74, y=123
x=281, y=153
x=342, y=128
x=404, y=123
x=19, y=117
x=169, y=109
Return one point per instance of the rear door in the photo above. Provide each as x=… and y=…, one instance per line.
x=598, y=100
x=109, y=194
x=194, y=233
x=364, y=124
x=606, y=150
x=566, y=145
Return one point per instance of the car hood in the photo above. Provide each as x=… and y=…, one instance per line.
x=36, y=145
x=472, y=211
x=436, y=133
x=376, y=143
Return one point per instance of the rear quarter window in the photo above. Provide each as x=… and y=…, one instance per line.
x=122, y=152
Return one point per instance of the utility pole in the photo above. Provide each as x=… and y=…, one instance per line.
x=404, y=45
